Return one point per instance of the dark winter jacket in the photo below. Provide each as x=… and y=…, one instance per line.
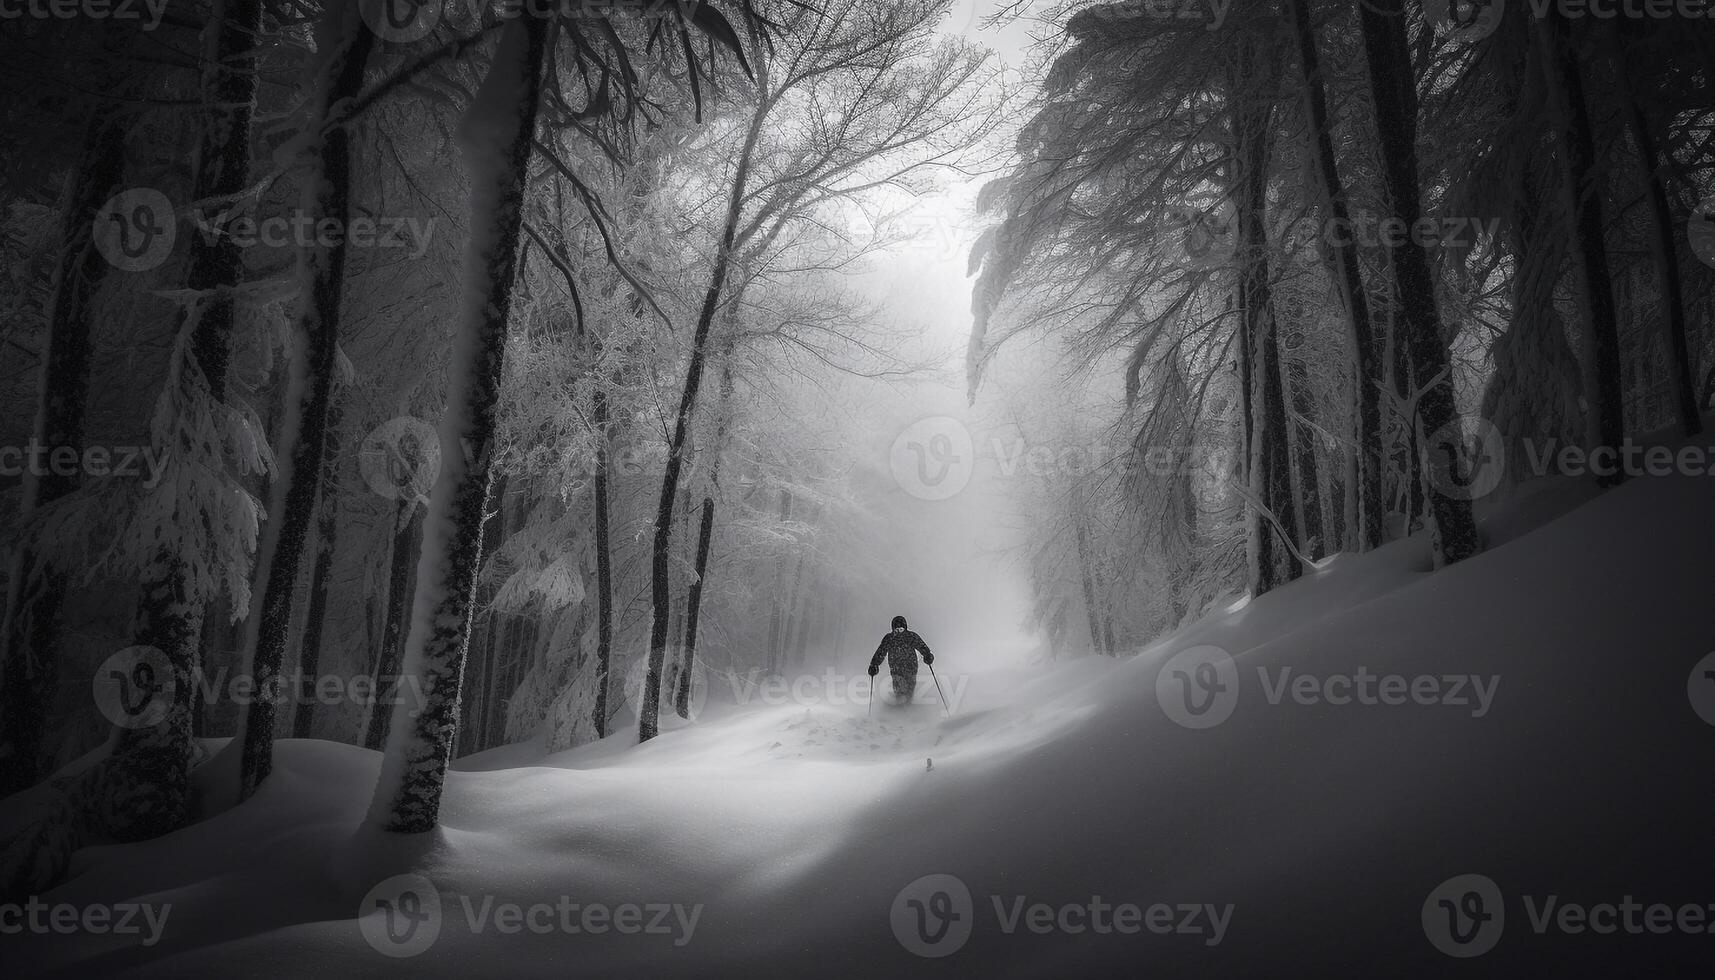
x=900, y=647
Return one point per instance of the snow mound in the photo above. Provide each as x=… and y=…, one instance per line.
x=1303, y=834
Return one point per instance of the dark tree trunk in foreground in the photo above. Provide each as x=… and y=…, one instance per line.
x=481, y=676
x=315, y=616
x=36, y=589
x=141, y=787
x=693, y=607
x=648, y=712
x=1664, y=241
x=155, y=761
x=603, y=565
x=304, y=431
x=1314, y=539
x=407, y=544
x=1605, y=418
x=1348, y=275
x=1086, y=575
x=705, y=533
x=1271, y=513
x=497, y=134
x=1454, y=534
x=776, y=613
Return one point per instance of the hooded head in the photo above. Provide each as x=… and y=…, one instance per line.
x=899, y=622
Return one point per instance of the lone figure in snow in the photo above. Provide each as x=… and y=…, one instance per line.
x=900, y=646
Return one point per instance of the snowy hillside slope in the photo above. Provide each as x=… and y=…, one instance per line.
x=1292, y=838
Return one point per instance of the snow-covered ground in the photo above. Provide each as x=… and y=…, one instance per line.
x=1559, y=755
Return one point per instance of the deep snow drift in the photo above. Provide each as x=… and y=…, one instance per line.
x=1560, y=757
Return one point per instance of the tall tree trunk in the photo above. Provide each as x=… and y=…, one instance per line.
x=1313, y=539
x=1348, y=275
x=1454, y=534
x=705, y=532
x=1665, y=249
x=648, y=712
x=780, y=582
x=786, y=653
x=1268, y=451
x=36, y=589
x=1412, y=504
x=385, y=677
x=693, y=609
x=483, y=657
x=154, y=795
x=1605, y=416
x=315, y=616
x=303, y=434
x=1092, y=608
x=603, y=566
x=141, y=787
x=497, y=134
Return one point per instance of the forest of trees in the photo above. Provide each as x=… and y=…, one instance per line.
x=462, y=348
x=494, y=358
x=1334, y=266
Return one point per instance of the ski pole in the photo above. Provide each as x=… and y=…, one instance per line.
x=870, y=709
x=939, y=691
